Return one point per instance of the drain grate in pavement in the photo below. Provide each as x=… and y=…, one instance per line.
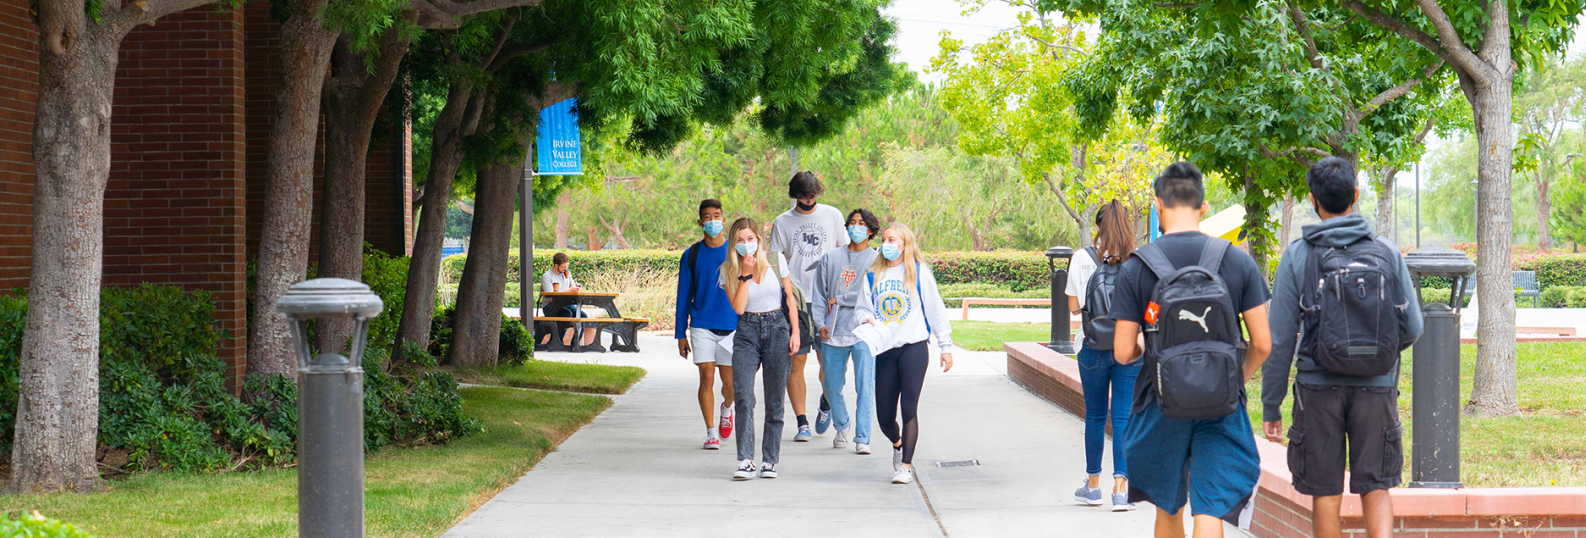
x=959, y=463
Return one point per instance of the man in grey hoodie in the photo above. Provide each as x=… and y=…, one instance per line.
x=1329, y=407
x=838, y=280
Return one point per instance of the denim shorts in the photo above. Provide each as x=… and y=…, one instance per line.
x=1210, y=464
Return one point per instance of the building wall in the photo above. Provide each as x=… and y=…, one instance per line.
x=19, y=86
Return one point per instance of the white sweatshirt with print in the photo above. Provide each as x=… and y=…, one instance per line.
x=903, y=311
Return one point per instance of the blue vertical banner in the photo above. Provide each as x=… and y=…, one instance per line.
x=1155, y=230
x=558, y=143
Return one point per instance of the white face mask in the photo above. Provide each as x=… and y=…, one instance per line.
x=747, y=249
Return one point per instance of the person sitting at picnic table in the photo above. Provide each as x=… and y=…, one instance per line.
x=559, y=279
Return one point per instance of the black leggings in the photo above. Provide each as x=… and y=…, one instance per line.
x=900, y=374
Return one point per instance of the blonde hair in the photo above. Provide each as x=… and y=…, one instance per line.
x=730, y=267
x=911, y=255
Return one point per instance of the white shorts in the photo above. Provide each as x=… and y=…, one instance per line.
x=708, y=347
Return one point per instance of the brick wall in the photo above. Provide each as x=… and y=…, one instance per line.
x=388, y=219
x=174, y=211
x=19, y=68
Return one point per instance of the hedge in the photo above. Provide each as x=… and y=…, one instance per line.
x=35, y=525
x=1018, y=271
x=1564, y=297
x=1558, y=270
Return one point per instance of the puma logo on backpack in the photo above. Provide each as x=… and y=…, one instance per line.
x=1353, y=307
x=1198, y=346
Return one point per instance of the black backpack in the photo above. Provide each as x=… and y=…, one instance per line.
x=1095, y=316
x=1352, y=302
x=1192, y=330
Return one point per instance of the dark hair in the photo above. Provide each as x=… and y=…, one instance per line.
x=1180, y=185
x=707, y=204
x=804, y=185
x=871, y=222
x=1114, y=233
x=559, y=258
x=1332, y=182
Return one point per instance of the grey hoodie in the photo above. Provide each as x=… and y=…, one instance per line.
x=1285, y=315
x=839, y=275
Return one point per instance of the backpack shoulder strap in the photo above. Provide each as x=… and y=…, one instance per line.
x=693, y=255
x=1155, y=260
x=1091, y=250
x=1212, y=254
x=776, y=266
x=919, y=270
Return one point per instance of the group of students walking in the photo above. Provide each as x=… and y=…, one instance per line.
x=1192, y=315
x=848, y=289
x=1170, y=332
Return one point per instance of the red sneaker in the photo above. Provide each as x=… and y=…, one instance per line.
x=711, y=443
x=725, y=426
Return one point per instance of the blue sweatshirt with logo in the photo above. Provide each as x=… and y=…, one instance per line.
x=707, y=307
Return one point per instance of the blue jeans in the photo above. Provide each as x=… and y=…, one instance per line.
x=834, y=367
x=1097, y=371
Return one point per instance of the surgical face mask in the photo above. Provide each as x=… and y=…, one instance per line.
x=858, y=233
x=747, y=249
x=890, y=251
x=712, y=228
x=803, y=207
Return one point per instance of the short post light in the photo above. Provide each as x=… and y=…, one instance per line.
x=1062, y=335
x=330, y=408
x=1434, y=396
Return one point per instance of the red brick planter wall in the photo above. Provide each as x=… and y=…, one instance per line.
x=1281, y=512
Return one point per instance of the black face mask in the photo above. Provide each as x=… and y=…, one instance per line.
x=803, y=207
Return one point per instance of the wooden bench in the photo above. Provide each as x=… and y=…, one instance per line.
x=1553, y=331
x=1001, y=302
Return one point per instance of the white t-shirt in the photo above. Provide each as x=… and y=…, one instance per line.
x=766, y=295
x=1080, y=269
x=803, y=239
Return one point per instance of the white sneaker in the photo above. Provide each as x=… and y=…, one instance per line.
x=903, y=476
x=768, y=470
x=897, y=459
x=862, y=448
x=840, y=440
x=745, y=470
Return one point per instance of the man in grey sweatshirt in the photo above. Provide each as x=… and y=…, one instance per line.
x=839, y=276
x=1329, y=407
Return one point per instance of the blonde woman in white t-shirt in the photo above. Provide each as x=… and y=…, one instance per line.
x=765, y=338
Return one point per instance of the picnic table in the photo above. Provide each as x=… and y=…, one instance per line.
x=624, y=331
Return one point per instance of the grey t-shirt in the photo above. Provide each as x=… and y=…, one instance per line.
x=803, y=239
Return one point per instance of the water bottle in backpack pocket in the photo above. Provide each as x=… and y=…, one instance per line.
x=1354, y=308
x=1192, y=333
x=1095, y=316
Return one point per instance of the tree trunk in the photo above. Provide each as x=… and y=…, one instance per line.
x=289, y=183
x=561, y=221
x=1087, y=227
x=456, y=120
x=616, y=230
x=1494, y=390
x=594, y=241
x=1287, y=222
x=57, y=414
x=476, y=329
x=1544, y=209
x=352, y=102
x=1387, y=204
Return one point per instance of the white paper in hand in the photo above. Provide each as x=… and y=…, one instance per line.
x=726, y=342
x=878, y=339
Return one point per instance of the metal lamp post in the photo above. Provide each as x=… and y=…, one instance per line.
x=1434, y=396
x=1062, y=337
x=330, y=408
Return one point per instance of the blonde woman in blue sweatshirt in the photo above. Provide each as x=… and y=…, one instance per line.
x=901, y=302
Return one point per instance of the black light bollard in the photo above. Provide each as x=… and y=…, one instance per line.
x=330, y=408
x=1062, y=336
x=1434, y=394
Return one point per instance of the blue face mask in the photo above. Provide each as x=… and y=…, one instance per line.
x=712, y=228
x=890, y=251
x=746, y=249
x=858, y=233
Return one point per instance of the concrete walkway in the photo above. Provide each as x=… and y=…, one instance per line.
x=637, y=470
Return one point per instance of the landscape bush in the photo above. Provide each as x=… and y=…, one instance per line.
x=515, y=345
x=1564, y=297
x=35, y=525
x=1558, y=270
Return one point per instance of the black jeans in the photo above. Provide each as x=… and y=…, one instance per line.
x=1328, y=416
x=761, y=341
x=900, y=374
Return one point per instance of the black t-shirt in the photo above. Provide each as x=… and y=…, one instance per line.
x=1136, y=282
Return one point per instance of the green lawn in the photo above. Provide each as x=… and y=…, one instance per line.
x=414, y=492
x=553, y=375
x=989, y=336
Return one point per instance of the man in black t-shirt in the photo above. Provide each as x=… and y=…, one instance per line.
x=1210, y=464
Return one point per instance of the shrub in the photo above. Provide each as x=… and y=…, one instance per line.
x=959, y=291
x=1564, y=297
x=410, y=403
x=1439, y=295
x=515, y=346
x=35, y=525
x=1019, y=271
x=1558, y=270
x=387, y=277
